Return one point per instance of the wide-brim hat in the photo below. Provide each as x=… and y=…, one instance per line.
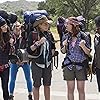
x=41, y=19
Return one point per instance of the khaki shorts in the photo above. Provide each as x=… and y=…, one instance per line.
x=41, y=75
x=73, y=74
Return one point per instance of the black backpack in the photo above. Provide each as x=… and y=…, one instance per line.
x=87, y=62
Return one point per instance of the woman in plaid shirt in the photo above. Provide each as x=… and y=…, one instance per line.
x=73, y=65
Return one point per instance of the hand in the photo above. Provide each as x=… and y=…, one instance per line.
x=65, y=42
x=42, y=40
x=11, y=41
x=19, y=62
x=37, y=43
x=82, y=43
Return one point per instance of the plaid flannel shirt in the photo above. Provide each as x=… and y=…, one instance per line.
x=75, y=54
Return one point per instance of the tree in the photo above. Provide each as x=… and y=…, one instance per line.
x=44, y=6
x=82, y=7
x=87, y=8
x=19, y=13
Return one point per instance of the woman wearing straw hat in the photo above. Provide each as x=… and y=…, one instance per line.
x=41, y=44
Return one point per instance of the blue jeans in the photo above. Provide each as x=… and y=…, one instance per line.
x=13, y=74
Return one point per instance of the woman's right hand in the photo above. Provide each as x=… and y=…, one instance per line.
x=42, y=40
x=65, y=42
x=11, y=41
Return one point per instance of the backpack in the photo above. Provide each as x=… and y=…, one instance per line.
x=61, y=27
x=36, y=54
x=12, y=18
x=30, y=16
x=87, y=62
x=4, y=14
x=9, y=17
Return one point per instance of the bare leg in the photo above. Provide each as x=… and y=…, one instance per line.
x=81, y=87
x=70, y=87
x=47, y=92
x=36, y=93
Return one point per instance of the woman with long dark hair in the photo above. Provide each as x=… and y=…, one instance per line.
x=5, y=42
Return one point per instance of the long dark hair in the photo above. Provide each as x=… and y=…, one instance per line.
x=4, y=37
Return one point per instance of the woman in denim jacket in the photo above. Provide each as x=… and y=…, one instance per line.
x=16, y=63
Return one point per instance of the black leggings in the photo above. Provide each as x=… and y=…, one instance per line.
x=4, y=82
x=98, y=78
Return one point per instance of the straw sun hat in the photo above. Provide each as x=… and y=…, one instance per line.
x=41, y=19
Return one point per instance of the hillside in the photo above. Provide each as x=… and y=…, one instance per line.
x=19, y=5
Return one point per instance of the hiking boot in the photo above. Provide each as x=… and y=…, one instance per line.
x=11, y=97
x=30, y=97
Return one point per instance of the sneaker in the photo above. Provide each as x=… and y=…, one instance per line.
x=30, y=97
x=11, y=97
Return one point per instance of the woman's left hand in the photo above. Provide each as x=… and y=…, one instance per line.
x=82, y=43
x=84, y=48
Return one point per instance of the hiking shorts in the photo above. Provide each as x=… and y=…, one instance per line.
x=70, y=75
x=41, y=75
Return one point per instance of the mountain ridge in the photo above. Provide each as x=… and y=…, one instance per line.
x=14, y=6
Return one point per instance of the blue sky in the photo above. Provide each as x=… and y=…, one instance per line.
x=1, y=1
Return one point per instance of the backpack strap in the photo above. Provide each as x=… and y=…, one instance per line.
x=89, y=58
x=35, y=36
x=36, y=56
x=84, y=34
